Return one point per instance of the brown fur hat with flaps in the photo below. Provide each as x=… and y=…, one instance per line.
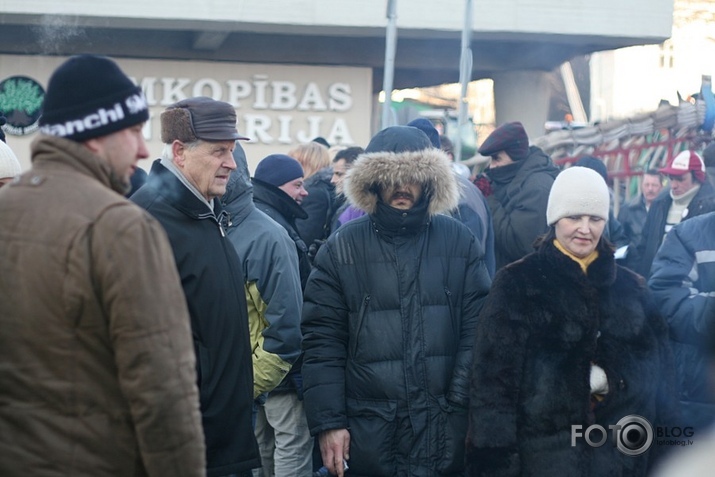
x=410, y=160
x=176, y=125
x=199, y=118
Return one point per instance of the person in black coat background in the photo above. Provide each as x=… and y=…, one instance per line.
x=567, y=337
x=516, y=186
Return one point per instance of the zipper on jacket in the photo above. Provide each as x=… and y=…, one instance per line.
x=358, y=328
x=455, y=325
x=223, y=220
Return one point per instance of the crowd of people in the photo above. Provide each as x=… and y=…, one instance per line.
x=347, y=311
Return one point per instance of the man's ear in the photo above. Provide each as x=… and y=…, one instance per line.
x=93, y=145
x=178, y=151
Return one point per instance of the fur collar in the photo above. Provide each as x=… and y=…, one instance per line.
x=429, y=167
x=601, y=273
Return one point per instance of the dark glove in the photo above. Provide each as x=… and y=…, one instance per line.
x=297, y=379
x=313, y=249
x=483, y=184
x=261, y=399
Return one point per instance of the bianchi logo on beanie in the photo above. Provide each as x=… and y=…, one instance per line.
x=89, y=96
x=131, y=111
x=136, y=103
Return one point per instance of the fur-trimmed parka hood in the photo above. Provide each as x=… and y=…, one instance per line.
x=429, y=168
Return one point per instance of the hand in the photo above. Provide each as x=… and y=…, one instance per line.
x=313, y=249
x=483, y=184
x=334, y=449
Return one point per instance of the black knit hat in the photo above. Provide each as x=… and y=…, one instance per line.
x=426, y=126
x=278, y=169
x=88, y=96
x=593, y=163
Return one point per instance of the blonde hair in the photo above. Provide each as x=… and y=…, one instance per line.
x=312, y=156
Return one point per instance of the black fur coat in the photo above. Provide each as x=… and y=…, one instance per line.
x=543, y=325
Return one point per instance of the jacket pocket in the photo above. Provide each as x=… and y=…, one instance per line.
x=450, y=426
x=203, y=370
x=372, y=436
x=358, y=325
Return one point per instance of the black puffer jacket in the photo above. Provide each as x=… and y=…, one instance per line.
x=545, y=322
x=213, y=283
x=518, y=204
x=388, y=318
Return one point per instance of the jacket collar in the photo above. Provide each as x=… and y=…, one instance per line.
x=601, y=273
x=167, y=184
x=273, y=196
x=390, y=222
x=536, y=161
x=50, y=152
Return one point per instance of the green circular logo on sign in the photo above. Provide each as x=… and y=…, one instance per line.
x=21, y=102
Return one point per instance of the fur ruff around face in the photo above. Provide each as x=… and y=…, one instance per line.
x=430, y=168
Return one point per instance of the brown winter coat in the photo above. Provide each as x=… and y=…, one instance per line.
x=97, y=370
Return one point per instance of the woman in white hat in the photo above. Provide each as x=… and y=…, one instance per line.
x=9, y=165
x=568, y=340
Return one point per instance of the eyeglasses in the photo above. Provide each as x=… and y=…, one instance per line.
x=676, y=178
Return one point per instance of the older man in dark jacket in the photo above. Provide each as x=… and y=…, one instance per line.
x=520, y=179
x=633, y=213
x=182, y=192
x=389, y=316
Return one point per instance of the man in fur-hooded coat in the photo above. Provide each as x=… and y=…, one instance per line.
x=389, y=316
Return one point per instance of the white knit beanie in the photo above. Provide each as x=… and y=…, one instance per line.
x=577, y=191
x=9, y=165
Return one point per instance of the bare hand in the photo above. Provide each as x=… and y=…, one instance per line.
x=335, y=449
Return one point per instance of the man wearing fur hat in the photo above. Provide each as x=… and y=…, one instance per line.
x=389, y=316
x=98, y=371
x=182, y=191
x=690, y=194
x=520, y=178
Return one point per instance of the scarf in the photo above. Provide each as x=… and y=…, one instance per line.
x=678, y=207
x=393, y=222
x=582, y=262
